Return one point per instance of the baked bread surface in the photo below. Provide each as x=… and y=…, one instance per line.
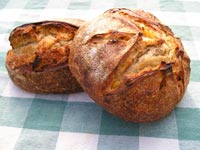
x=130, y=64
x=38, y=60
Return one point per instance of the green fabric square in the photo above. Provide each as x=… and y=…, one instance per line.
x=188, y=123
x=113, y=142
x=13, y=111
x=172, y=5
x=45, y=115
x=36, y=140
x=36, y=4
x=79, y=4
x=3, y=3
x=2, y=61
x=81, y=117
x=195, y=70
x=164, y=128
x=189, y=145
x=112, y=125
x=183, y=32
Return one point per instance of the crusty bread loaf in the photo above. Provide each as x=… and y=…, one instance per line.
x=130, y=64
x=38, y=60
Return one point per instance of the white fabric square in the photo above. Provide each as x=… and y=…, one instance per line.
x=4, y=44
x=8, y=137
x=172, y=18
x=80, y=97
x=148, y=5
x=191, y=49
x=148, y=143
x=12, y=90
x=191, y=18
x=105, y=4
x=52, y=4
x=77, y=141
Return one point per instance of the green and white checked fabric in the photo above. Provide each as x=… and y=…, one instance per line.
x=74, y=122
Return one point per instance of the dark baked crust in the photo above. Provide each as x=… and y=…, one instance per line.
x=38, y=60
x=130, y=64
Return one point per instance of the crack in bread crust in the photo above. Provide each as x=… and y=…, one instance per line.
x=47, y=41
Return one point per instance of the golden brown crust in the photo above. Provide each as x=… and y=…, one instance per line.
x=131, y=64
x=38, y=60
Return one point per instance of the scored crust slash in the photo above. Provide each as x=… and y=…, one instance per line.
x=130, y=64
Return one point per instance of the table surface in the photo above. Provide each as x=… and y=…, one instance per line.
x=46, y=122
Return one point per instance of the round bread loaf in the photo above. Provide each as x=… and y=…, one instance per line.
x=38, y=60
x=130, y=64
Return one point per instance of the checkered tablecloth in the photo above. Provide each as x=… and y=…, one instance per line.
x=74, y=122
